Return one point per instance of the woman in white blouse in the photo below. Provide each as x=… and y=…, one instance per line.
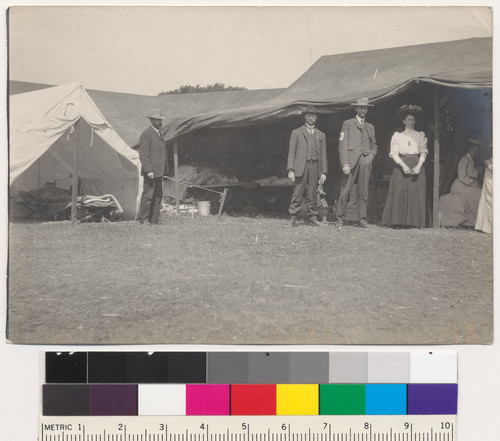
x=406, y=200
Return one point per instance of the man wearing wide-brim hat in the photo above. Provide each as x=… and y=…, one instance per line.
x=307, y=166
x=357, y=148
x=154, y=161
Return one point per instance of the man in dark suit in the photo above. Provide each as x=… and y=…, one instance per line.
x=154, y=161
x=357, y=148
x=306, y=162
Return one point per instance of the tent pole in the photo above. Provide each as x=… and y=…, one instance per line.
x=435, y=192
x=74, y=189
x=176, y=174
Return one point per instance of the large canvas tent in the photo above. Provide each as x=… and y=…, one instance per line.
x=335, y=80
x=58, y=134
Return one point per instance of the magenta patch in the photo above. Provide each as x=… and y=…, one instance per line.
x=207, y=399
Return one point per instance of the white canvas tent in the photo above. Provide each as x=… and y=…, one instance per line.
x=44, y=128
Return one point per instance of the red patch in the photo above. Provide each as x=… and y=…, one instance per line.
x=253, y=399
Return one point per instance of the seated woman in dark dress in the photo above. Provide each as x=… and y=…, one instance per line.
x=405, y=204
x=459, y=207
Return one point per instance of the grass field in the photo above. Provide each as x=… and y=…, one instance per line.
x=247, y=280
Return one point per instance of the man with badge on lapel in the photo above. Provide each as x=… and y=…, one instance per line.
x=306, y=162
x=154, y=161
x=357, y=148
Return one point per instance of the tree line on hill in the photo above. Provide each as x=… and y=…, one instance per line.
x=216, y=87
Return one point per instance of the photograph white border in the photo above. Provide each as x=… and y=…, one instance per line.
x=20, y=382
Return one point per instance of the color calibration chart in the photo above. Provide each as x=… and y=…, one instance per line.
x=249, y=396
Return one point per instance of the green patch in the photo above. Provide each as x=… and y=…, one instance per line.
x=342, y=399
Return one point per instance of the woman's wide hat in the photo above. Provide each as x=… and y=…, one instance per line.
x=362, y=102
x=409, y=109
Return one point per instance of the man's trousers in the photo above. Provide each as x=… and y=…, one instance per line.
x=152, y=193
x=308, y=184
x=360, y=172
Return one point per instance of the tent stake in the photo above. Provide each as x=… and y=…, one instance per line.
x=74, y=189
x=176, y=174
x=435, y=193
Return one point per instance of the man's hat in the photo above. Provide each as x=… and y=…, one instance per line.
x=475, y=141
x=156, y=114
x=310, y=109
x=363, y=101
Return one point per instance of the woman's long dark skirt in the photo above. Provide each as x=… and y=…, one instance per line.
x=405, y=204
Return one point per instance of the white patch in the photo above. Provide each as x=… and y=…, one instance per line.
x=341, y=136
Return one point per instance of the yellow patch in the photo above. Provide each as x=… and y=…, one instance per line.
x=297, y=399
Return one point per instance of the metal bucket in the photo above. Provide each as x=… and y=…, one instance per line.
x=204, y=208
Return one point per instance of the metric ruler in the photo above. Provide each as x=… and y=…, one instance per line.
x=249, y=428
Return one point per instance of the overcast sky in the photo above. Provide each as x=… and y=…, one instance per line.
x=146, y=50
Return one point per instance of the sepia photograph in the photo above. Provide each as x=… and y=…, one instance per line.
x=250, y=175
